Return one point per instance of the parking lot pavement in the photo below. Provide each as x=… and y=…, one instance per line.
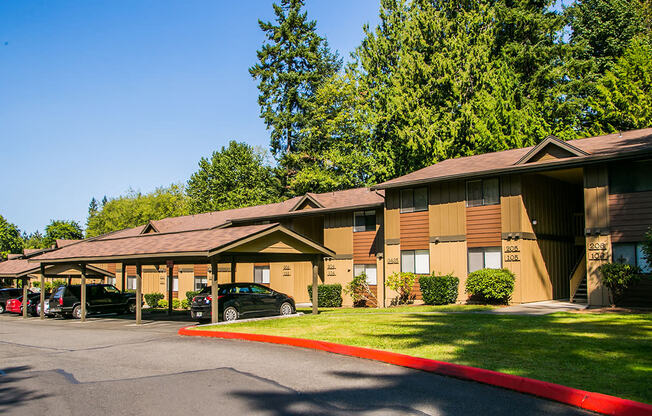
x=105, y=366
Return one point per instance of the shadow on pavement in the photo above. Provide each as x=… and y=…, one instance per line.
x=11, y=395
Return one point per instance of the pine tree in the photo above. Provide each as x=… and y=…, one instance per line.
x=104, y=201
x=92, y=207
x=293, y=64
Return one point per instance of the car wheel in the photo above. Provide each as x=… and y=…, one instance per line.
x=76, y=312
x=2, y=308
x=230, y=314
x=286, y=309
x=131, y=308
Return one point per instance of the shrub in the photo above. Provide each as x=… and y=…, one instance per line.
x=402, y=283
x=191, y=294
x=153, y=299
x=491, y=285
x=647, y=247
x=185, y=304
x=439, y=290
x=163, y=304
x=360, y=292
x=618, y=277
x=176, y=304
x=328, y=296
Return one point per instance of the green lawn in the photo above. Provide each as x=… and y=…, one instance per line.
x=606, y=353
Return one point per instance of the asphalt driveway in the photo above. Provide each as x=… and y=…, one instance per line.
x=109, y=366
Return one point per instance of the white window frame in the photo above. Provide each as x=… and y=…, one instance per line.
x=372, y=281
x=413, y=208
x=131, y=282
x=414, y=254
x=482, y=186
x=638, y=260
x=484, y=251
x=263, y=269
x=202, y=280
x=365, y=214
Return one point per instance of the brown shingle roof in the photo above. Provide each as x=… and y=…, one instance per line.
x=635, y=141
x=11, y=268
x=330, y=201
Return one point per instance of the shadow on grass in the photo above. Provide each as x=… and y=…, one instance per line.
x=12, y=394
x=607, y=354
x=407, y=392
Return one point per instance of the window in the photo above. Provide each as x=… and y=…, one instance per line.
x=413, y=200
x=175, y=283
x=131, y=282
x=484, y=258
x=111, y=289
x=200, y=282
x=261, y=274
x=260, y=290
x=369, y=270
x=630, y=177
x=415, y=261
x=631, y=253
x=110, y=280
x=364, y=221
x=482, y=192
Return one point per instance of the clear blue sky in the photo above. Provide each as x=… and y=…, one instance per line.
x=100, y=96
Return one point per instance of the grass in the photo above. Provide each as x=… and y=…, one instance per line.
x=606, y=353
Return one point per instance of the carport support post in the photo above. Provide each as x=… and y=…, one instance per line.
x=42, y=297
x=170, y=266
x=139, y=292
x=315, y=285
x=83, y=292
x=124, y=278
x=214, y=293
x=25, y=280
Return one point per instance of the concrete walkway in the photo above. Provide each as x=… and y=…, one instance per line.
x=538, y=308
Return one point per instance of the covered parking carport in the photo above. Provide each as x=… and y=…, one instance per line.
x=21, y=269
x=251, y=243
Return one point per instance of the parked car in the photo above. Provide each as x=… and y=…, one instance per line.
x=14, y=305
x=241, y=300
x=34, y=304
x=100, y=298
x=8, y=293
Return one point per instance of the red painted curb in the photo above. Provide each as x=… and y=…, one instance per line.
x=596, y=402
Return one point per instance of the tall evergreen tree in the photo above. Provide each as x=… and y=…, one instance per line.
x=440, y=85
x=293, y=63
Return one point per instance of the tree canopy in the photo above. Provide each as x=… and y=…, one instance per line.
x=61, y=230
x=233, y=177
x=135, y=209
x=10, y=239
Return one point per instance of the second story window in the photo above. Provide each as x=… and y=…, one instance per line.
x=413, y=200
x=482, y=192
x=364, y=221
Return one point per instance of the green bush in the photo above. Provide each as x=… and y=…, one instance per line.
x=491, y=285
x=191, y=294
x=176, y=304
x=647, y=247
x=402, y=283
x=185, y=304
x=439, y=290
x=163, y=304
x=328, y=296
x=618, y=277
x=360, y=292
x=153, y=299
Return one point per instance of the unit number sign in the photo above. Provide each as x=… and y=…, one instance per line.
x=512, y=253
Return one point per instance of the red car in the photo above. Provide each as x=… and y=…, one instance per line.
x=15, y=305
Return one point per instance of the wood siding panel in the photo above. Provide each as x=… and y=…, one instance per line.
x=630, y=215
x=200, y=270
x=392, y=215
x=364, y=247
x=415, y=232
x=338, y=232
x=447, y=209
x=483, y=226
x=596, y=215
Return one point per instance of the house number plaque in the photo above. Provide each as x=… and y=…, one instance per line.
x=392, y=260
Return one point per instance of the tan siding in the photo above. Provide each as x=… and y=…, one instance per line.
x=392, y=215
x=447, y=215
x=450, y=258
x=483, y=226
x=311, y=227
x=596, y=213
x=414, y=230
x=630, y=216
x=338, y=232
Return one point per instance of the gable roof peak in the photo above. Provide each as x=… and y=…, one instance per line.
x=568, y=149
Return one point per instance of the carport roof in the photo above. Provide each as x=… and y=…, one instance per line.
x=18, y=268
x=194, y=243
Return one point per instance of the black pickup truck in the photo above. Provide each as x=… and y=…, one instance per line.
x=100, y=298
